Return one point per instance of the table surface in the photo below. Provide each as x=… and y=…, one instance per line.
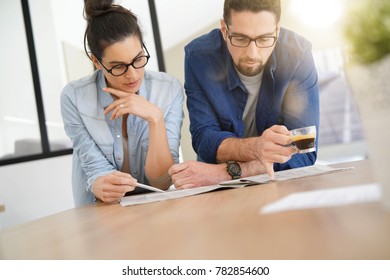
x=223, y=224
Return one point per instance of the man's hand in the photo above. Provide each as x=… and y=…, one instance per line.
x=270, y=147
x=274, y=145
x=191, y=174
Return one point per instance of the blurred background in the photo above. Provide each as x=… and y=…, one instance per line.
x=42, y=50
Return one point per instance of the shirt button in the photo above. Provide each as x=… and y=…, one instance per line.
x=118, y=136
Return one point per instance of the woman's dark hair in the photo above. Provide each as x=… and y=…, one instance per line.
x=107, y=23
x=272, y=6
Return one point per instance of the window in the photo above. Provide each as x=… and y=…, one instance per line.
x=41, y=51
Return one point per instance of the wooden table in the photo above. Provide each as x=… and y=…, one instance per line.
x=223, y=224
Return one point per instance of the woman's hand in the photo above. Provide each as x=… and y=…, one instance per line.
x=131, y=103
x=113, y=186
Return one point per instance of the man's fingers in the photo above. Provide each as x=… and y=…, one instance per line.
x=269, y=167
x=177, y=168
x=281, y=129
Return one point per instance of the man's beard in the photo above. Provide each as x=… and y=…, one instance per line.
x=249, y=71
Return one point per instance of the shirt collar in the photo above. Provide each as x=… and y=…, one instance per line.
x=232, y=76
x=104, y=98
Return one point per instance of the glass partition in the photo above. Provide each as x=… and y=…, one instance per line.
x=41, y=51
x=20, y=134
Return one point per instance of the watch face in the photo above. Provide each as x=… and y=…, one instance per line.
x=234, y=169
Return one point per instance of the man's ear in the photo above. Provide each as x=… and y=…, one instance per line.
x=223, y=29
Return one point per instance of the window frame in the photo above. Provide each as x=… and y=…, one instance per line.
x=45, y=144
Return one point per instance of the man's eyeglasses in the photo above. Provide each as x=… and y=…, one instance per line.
x=243, y=41
x=137, y=63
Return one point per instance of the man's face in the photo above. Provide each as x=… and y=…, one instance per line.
x=250, y=60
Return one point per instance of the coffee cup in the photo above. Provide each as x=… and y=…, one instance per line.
x=304, y=139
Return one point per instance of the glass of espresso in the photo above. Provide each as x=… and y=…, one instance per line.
x=304, y=139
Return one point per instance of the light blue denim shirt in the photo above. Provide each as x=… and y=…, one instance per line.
x=97, y=141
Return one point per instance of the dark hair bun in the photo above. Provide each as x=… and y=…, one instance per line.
x=95, y=8
x=107, y=23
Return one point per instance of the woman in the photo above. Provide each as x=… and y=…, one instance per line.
x=124, y=122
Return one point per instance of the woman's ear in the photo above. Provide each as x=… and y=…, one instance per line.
x=96, y=62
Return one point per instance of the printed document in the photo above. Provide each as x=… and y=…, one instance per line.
x=159, y=195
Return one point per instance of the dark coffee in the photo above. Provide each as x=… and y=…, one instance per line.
x=304, y=142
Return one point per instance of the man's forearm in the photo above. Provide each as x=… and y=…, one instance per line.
x=252, y=168
x=241, y=150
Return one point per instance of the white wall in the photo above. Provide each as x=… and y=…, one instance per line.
x=35, y=189
x=177, y=29
x=180, y=20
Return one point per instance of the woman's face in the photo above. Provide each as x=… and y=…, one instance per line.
x=123, y=52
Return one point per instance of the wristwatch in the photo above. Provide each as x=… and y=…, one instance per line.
x=234, y=169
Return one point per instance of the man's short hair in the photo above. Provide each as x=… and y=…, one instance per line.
x=255, y=6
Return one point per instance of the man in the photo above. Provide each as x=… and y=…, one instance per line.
x=247, y=85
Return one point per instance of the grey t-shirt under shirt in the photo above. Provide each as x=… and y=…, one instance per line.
x=252, y=84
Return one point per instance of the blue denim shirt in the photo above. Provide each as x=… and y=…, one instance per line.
x=97, y=141
x=216, y=97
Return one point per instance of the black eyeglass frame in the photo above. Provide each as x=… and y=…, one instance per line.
x=147, y=56
x=230, y=36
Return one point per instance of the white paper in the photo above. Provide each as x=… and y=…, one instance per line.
x=325, y=198
x=158, y=196
x=253, y=180
x=286, y=175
